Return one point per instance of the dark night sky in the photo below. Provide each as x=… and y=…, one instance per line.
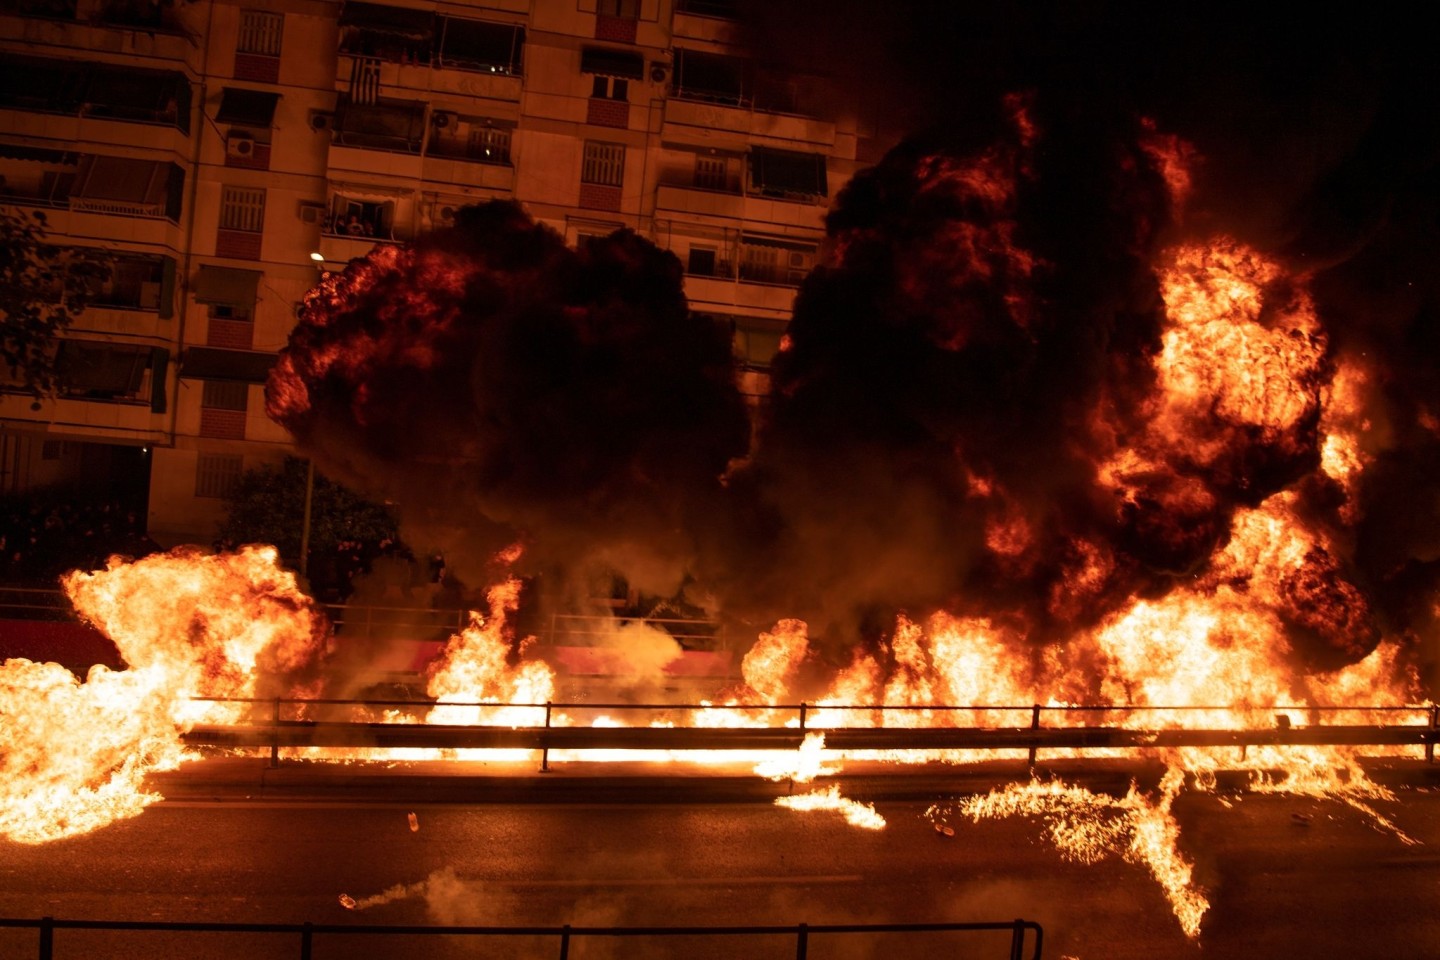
x=1315, y=120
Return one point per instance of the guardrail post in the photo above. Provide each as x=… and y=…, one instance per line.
x=275, y=735
x=1017, y=941
x=1430, y=744
x=802, y=941
x=802, y=714
x=545, y=750
x=1034, y=725
x=306, y=936
x=565, y=942
x=47, y=937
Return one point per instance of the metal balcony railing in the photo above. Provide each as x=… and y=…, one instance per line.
x=1022, y=933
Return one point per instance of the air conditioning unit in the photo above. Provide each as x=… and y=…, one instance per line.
x=442, y=119
x=321, y=120
x=446, y=214
x=312, y=212
x=659, y=71
x=238, y=146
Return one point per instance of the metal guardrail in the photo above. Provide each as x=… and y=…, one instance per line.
x=544, y=735
x=1018, y=930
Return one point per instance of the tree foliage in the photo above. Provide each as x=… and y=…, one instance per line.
x=268, y=506
x=43, y=288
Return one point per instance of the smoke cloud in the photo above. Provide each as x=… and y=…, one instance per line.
x=969, y=412
x=502, y=387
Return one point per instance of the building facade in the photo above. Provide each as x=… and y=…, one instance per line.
x=224, y=153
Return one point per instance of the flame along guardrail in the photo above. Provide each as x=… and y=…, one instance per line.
x=544, y=734
x=309, y=931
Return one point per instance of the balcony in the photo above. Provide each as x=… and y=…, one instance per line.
x=687, y=119
x=729, y=295
x=340, y=249
x=693, y=201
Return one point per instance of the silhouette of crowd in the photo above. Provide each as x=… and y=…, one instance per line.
x=45, y=534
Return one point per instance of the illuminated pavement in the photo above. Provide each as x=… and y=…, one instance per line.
x=1285, y=876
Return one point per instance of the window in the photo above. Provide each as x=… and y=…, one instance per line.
x=767, y=260
x=776, y=90
x=216, y=474
x=49, y=86
x=101, y=371
x=120, y=185
x=490, y=144
x=480, y=45
x=724, y=9
x=137, y=283
x=626, y=9
x=397, y=34
x=710, y=77
x=226, y=366
x=787, y=174
x=583, y=239
x=360, y=216
x=260, y=33
x=46, y=9
x=610, y=88
x=111, y=92
x=243, y=209
x=701, y=262
x=225, y=395
x=145, y=96
x=248, y=108
x=43, y=178
x=604, y=164
x=755, y=345
x=145, y=14
x=469, y=138
x=604, y=61
x=711, y=173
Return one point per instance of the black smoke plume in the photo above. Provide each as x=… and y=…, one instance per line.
x=503, y=388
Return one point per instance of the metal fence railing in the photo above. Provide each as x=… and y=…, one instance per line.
x=1022, y=933
x=313, y=723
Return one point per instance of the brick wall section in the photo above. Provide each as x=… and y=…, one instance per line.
x=224, y=424
x=595, y=197
x=230, y=334
x=253, y=66
x=238, y=244
x=618, y=29
x=258, y=160
x=608, y=113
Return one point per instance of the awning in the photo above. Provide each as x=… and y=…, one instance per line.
x=778, y=243
x=612, y=63
x=251, y=108
x=397, y=21
x=226, y=285
x=17, y=151
x=212, y=363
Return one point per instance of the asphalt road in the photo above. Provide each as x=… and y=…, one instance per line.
x=1280, y=885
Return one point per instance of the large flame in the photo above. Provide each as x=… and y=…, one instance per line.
x=73, y=755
